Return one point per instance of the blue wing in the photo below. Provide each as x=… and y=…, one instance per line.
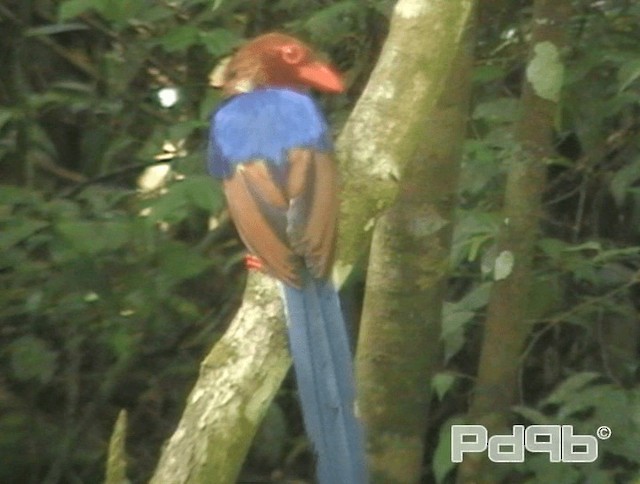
x=264, y=125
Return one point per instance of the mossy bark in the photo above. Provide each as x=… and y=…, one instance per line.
x=386, y=127
x=508, y=324
x=237, y=382
x=399, y=345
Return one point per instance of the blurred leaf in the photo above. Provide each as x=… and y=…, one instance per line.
x=219, y=42
x=335, y=21
x=545, y=296
x=545, y=71
x=6, y=115
x=568, y=388
x=453, y=325
x=533, y=415
x=17, y=232
x=544, y=471
x=203, y=192
x=179, y=261
x=270, y=440
x=94, y=237
x=31, y=358
x=623, y=179
x=442, y=464
x=475, y=299
x=502, y=110
x=55, y=29
x=487, y=73
x=117, y=456
x=180, y=38
x=442, y=383
x=72, y=8
x=629, y=72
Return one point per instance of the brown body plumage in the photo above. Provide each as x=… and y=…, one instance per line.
x=285, y=221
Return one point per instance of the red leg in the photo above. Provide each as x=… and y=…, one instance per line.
x=252, y=262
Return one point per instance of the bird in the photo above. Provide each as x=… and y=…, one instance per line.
x=271, y=146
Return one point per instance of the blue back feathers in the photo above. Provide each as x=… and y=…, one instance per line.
x=264, y=124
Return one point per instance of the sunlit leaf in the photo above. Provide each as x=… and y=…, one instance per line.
x=503, y=265
x=545, y=71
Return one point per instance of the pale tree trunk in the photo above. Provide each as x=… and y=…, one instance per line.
x=386, y=127
x=399, y=345
x=508, y=323
x=243, y=372
x=237, y=382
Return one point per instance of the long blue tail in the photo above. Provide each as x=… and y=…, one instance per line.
x=324, y=374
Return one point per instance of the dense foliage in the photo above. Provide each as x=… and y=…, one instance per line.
x=119, y=268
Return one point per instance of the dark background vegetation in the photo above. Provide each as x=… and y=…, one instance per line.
x=110, y=295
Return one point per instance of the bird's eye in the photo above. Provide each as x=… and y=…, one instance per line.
x=292, y=54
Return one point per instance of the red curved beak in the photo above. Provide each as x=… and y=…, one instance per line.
x=321, y=76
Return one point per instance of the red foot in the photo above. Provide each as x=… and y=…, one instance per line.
x=252, y=262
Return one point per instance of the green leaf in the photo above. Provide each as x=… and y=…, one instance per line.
x=442, y=383
x=203, y=192
x=629, y=72
x=442, y=464
x=475, y=299
x=545, y=71
x=487, y=73
x=12, y=235
x=502, y=110
x=335, y=21
x=553, y=248
x=31, y=358
x=544, y=471
x=180, y=261
x=219, y=42
x=453, y=324
x=6, y=115
x=623, y=180
x=91, y=238
x=567, y=389
x=533, y=415
x=180, y=38
x=170, y=207
x=73, y=8
x=121, y=12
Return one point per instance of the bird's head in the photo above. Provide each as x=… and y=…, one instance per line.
x=276, y=60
